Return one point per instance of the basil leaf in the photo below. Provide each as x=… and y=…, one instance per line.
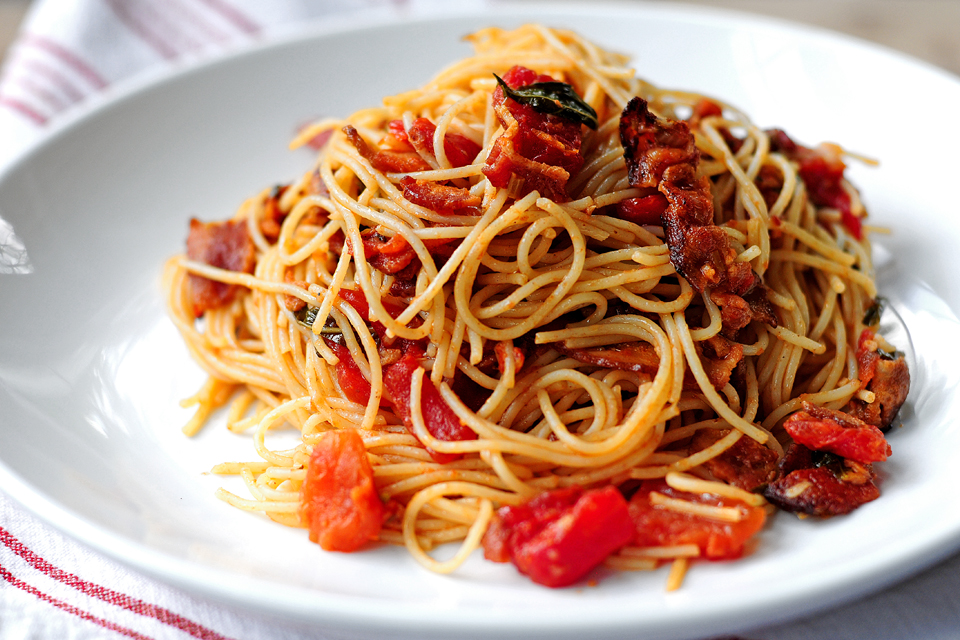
x=308, y=315
x=557, y=98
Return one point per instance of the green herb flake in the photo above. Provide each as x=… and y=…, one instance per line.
x=557, y=98
x=872, y=315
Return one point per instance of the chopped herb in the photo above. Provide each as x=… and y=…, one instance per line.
x=827, y=459
x=872, y=315
x=556, y=98
x=308, y=315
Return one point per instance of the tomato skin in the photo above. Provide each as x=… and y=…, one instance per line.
x=658, y=526
x=645, y=210
x=339, y=501
x=354, y=385
x=822, y=429
x=559, y=536
x=439, y=419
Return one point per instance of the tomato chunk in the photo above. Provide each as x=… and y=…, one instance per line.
x=559, y=536
x=717, y=540
x=339, y=502
x=440, y=420
x=823, y=429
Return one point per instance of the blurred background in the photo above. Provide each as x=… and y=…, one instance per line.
x=926, y=29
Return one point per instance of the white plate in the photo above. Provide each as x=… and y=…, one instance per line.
x=91, y=370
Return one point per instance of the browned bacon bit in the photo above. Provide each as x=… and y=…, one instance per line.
x=747, y=464
x=273, y=216
x=736, y=312
x=639, y=357
x=884, y=375
x=769, y=183
x=718, y=355
x=662, y=155
x=821, y=170
x=821, y=484
x=822, y=429
x=439, y=197
x=719, y=358
x=293, y=303
x=383, y=160
x=537, y=151
x=225, y=245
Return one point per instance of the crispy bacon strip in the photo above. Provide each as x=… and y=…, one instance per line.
x=537, y=151
x=718, y=355
x=747, y=464
x=385, y=160
x=225, y=245
x=439, y=197
x=662, y=157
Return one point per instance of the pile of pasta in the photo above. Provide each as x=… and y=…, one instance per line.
x=550, y=321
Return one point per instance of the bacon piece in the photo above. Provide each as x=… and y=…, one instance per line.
x=657, y=525
x=662, y=156
x=719, y=358
x=821, y=170
x=383, y=160
x=822, y=429
x=887, y=377
x=440, y=198
x=718, y=355
x=747, y=464
x=537, y=150
x=559, y=536
x=821, y=484
x=640, y=357
x=225, y=245
x=293, y=303
x=339, y=501
x=272, y=215
x=736, y=312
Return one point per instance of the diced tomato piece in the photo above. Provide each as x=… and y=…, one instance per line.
x=351, y=379
x=440, y=420
x=559, y=536
x=821, y=170
x=823, y=429
x=646, y=210
x=339, y=501
x=460, y=150
x=718, y=540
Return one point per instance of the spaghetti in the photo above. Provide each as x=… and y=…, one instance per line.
x=475, y=284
